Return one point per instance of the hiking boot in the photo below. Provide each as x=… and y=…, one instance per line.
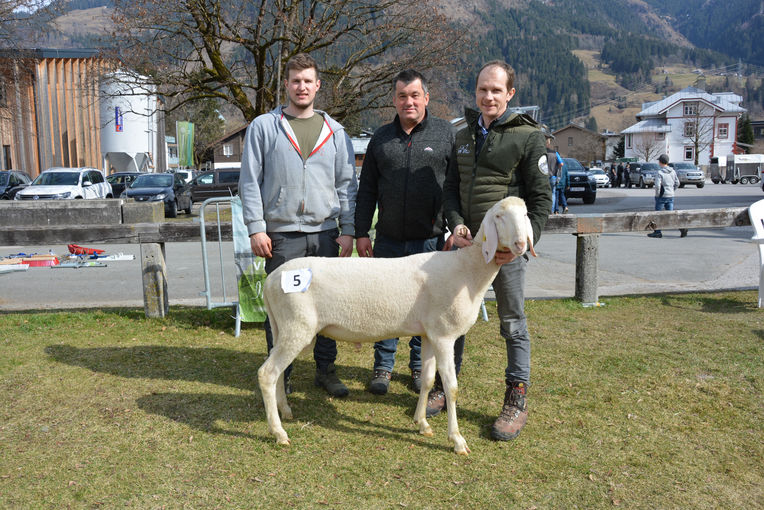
x=330, y=382
x=514, y=413
x=380, y=382
x=655, y=234
x=416, y=380
x=682, y=232
x=436, y=399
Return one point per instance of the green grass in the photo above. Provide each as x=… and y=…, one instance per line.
x=648, y=402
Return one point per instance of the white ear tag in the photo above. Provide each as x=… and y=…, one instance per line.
x=297, y=280
x=490, y=239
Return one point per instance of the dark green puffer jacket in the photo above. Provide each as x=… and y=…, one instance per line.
x=512, y=162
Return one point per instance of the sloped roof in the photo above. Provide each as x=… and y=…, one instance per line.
x=721, y=102
x=648, y=126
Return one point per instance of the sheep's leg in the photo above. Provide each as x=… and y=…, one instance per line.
x=428, y=379
x=271, y=379
x=444, y=353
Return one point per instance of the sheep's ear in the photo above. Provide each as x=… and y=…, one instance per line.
x=490, y=237
x=529, y=229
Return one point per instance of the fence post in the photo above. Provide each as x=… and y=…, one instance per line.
x=587, y=254
x=156, y=303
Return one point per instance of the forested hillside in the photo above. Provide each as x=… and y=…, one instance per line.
x=633, y=40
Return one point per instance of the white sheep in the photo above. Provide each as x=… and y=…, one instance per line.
x=436, y=295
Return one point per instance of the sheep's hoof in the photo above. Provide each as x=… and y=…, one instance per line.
x=466, y=451
x=460, y=446
x=425, y=429
x=286, y=414
x=284, y=442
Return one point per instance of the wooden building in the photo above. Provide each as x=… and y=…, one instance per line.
x=49, y=109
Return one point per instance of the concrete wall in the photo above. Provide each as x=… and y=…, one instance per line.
x=16, y=213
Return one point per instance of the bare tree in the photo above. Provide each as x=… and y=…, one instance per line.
x=698, y=129
x=16, y=18
x=647, y=148
x=235, y=50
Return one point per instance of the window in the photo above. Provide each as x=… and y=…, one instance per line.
x=689, y=153
x=227, y=149
x=689, y=129
x=628, y=141
x=723, y=131
x=690, y=109
x=660, y=136
x=570, y=141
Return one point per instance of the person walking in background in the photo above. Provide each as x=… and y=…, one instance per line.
x=297, y=184
x=500, y=153
x=666, y=182
x=402, y=175
x=558, y=192
x=555, y=164
x=627, y=175
x=619, y=175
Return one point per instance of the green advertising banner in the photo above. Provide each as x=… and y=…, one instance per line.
x=184, y=135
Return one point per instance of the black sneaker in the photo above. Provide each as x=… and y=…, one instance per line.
x=655, y=234
x=416, y=380
x=330, y=382
x=380, y=382
x=682, y=232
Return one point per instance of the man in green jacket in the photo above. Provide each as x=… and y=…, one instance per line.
x=500, y=154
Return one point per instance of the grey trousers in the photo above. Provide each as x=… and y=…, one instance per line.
x=509, y=287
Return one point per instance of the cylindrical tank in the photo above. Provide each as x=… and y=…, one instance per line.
x=129, y=120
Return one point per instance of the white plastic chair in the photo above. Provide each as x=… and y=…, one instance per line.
x=756, y=213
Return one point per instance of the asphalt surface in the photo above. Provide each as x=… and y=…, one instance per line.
x=629, y=263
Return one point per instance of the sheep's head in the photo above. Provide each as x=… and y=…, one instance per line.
x=506, y=227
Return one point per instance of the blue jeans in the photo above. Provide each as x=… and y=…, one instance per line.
x=509, y=287
x=559, y=200
x=291, y=245
x=664, y=204
x=384, y=350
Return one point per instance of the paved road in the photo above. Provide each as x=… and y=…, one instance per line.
x=708, y=259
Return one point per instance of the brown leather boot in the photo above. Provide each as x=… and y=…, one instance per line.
x=436, y=399
x=514, y=413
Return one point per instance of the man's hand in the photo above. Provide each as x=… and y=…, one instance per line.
x=261, y=245
x=502, y=257
x=346, y=245
x=363, y=247
x=462, y=236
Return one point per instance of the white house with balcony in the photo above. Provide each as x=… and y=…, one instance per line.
x=691, y=125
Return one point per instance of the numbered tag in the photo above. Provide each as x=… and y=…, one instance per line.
x=297, y=280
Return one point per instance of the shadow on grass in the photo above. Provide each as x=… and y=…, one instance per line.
x=708, y=303
x=238, y=369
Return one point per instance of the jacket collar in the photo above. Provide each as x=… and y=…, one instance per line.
x=323, y=137
x=422, y=125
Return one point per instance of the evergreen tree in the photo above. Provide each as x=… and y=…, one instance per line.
x=745, y=132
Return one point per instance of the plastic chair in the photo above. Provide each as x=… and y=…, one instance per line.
x=756, y=213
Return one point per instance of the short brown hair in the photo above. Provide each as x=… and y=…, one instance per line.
x=502, y=65
x=300, y=62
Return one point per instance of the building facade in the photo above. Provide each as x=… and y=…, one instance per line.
x=691, y=125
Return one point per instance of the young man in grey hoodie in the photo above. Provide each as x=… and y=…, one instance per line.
x=297, y=185
x=666, y=182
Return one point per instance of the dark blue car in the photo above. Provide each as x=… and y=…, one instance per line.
x=165, y=187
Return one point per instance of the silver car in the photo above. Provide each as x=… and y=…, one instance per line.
x=688, y=174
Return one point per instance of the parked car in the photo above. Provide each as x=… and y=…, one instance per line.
x=602, y=179
x=67, y=183
x=166, y=187
x=582, y=183
x=11, y=182
x=221, y=182
x=120, y=181
x=642, y=174
x=185, y=174
x=688, y=174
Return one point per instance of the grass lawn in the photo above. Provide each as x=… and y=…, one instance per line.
x=648, y=402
